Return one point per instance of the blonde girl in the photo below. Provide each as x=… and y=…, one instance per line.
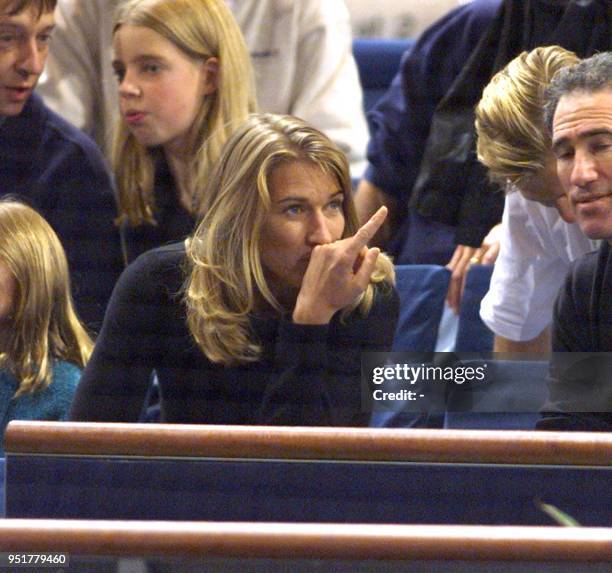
x=185, y=82
x=43, y=346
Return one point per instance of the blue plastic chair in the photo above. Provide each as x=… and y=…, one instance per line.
x=472, y=334
x=378, y=61
x=2, y=482
x=422, y=291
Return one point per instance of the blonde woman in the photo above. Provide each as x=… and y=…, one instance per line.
x=539, y=238
x=43, y=346
x=185, y=82
x=261, y=318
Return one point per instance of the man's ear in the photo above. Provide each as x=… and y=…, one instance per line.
x=211, y=75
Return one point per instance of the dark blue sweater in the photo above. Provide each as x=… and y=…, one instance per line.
x=308, y=375
x=580, y=382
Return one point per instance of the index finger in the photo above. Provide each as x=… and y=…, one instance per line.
x=365, y=233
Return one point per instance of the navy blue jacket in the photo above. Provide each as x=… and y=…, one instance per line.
x=59, y=171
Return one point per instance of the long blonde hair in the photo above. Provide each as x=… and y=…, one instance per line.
x=513, y=141
x=44, y=325
x=202, y=29
x=226, y=278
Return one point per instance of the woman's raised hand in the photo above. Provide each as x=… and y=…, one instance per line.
x=337, y=274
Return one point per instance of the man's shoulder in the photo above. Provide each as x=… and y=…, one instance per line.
x=484, y=10
x=584, y=269
x=583, y=281
x=40, y=151
x=59, y=134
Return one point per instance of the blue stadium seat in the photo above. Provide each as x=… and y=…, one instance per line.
x=473, y=335
x=2, y=482
x=378, y=61
x=422, y=290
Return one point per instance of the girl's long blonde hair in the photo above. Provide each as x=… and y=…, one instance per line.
x=43, y=326
x=202, y=29
x=226, y=278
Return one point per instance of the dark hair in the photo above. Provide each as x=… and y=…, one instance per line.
x=590, y=75
x=42, y=6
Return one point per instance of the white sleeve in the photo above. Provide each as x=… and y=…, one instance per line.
x=527, y=275
x=327, y=89
x=70, y=80
x=78, y=82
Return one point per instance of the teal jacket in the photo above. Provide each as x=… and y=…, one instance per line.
x=52, y=403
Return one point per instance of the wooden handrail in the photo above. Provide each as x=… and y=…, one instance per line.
x=286, y=540
x=262, y=442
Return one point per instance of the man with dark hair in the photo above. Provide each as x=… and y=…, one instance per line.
x=50, y=164
x=579, y=114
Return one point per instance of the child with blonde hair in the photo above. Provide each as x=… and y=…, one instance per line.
x=185, y=83
x=43, y=345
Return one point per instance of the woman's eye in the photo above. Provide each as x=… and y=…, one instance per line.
x=336, y=205
x=44, y=39
x=294, y=209
x=151, y=68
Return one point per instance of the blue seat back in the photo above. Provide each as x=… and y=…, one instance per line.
x=2, y=492
x=472, y=334
x=378, y=62
x=422, y=290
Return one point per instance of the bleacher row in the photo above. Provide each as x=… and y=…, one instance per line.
x=213, y=498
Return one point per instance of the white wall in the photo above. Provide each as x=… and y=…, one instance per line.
x=396, y=18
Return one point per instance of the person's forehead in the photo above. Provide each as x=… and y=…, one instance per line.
x=300, y=173
x=29, y=12
x=579, y=113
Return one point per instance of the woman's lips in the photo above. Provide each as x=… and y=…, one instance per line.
x=134, y=117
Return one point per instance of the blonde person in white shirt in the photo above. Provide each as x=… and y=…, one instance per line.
x=539, y=237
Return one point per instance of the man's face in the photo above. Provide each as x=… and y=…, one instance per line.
x=24, y=45
x=582, y=144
